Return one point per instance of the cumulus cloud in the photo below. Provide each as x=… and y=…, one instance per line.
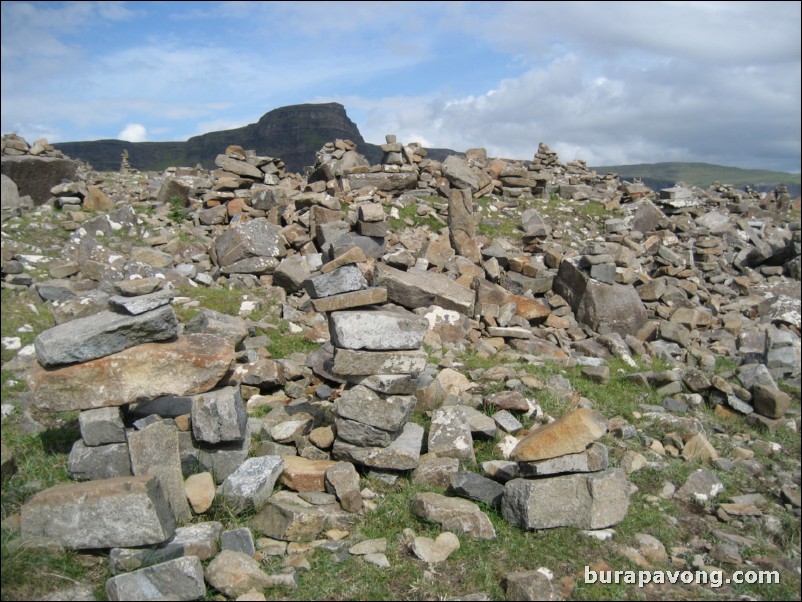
x=133, y=132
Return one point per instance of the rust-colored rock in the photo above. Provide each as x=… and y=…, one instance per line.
x=571, y=434
x=188, y=365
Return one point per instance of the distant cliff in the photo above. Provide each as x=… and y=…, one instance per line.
x=291, y=133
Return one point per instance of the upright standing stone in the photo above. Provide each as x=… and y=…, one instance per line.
x=154, y=451
x=461, y=224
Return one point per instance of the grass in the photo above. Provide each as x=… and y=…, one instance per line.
x=177, y=209
x=408, y=218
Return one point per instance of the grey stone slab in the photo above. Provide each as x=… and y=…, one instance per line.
x=98, y=462
x=101, y=426
x=221, y=459
x=362, y=434
x=402, y=454
x=179, y=579
x=585, y=501
x=102, y=334
x=453, y=514
x=140, y=304
x=477, y=488
x=450, y=434
x=416, y=289
x=121, y=512
x=346, y=279
x=350, y=362
x=593, y=459
x=363, y=405
x=238, y=540
x=377, y=330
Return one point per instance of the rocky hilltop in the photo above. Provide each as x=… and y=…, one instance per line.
x=474, y=378
x=293, y=133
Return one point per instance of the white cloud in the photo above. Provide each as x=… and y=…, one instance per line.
x=133, y=132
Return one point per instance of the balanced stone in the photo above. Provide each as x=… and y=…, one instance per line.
x=140, y=304
x=102, y=426
x=416, y=289
x=102, y=334
x=189, y=365
x=377, y=330
x=594, y=459
x=154, y=451
x=571, y=434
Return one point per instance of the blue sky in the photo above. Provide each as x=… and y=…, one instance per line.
x=606, y=82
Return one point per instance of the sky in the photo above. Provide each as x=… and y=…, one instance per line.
x=607, y=82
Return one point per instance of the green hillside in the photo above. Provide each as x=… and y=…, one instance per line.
x=661, y=175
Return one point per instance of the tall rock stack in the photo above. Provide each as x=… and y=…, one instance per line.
x=377, y=353
x=564, y=477
x=131, y=355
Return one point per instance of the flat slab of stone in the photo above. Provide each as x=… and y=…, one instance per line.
x=252, y=483
x=140, y=304
x=122, y=512
x=253, y=239
x=593, y=459
x=364, y=405
x=402, y=454
x=188, y=365
x=103, y=334
x=477, y=488
x=179, y=579
x=288, y=518
x=98, y=462
x=368, y=296
x=350, y=362
x=585, y=501
x=235, y=574
x=346, y=279
x=453, y=514
x=416, y=289
x=377, y=330
x=571, y=434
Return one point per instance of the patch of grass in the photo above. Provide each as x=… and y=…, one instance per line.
x=408, y=218
x=53, y=569
x=286, y=344
x=177, y=209
x=22, y=318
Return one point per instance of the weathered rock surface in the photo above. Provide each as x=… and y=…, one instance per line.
x=453, y=514
x=569, y=435
x=585, y=501
x=189, y=365
x=101, y=335
x=179, y=579
x=376, y=330
x=252, y=483
x=122, y=512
